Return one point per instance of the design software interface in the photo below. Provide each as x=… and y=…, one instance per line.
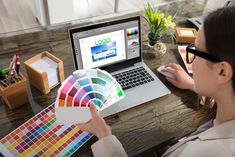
x=107, y=45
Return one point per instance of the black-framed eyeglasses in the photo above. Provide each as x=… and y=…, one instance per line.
x=192, y=52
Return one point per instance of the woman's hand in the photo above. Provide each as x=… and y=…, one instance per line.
x=183, y=80
x=96, y=125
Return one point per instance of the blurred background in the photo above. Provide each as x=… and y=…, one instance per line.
x=16, y=15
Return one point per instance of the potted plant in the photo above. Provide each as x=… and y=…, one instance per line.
x=158, y=23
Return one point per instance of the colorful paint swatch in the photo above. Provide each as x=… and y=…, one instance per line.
x=82, y=88
x=132, y=32
x=42, y=136
x=182, y=52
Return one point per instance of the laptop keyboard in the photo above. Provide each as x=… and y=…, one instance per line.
x=132, y=78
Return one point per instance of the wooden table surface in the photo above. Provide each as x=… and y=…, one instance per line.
x=140, y=129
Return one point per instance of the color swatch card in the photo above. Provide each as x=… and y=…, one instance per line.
x=42, y=136
x=83, y=88
x=182, y=52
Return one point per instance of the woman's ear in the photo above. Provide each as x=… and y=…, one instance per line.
x=225, y=72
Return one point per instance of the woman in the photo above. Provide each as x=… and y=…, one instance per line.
x=213, y=59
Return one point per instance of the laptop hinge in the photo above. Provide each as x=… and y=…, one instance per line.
x=139, y=63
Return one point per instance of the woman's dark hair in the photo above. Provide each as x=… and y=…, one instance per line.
x=219, y=28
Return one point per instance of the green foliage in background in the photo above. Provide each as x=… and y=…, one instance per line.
x=157, y=21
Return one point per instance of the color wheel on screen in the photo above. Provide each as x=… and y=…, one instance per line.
x=82, y=88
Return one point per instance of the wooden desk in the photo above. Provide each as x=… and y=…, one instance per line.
x=140, y=129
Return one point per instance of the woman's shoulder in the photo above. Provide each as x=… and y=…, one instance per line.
x=209, y=148
x=216, y=141
x=221, y=132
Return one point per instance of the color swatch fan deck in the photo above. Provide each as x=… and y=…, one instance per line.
x=82, y=88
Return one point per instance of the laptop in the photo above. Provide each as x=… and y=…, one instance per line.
x=115, y=46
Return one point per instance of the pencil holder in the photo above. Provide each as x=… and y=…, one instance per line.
x=45, y=71
x=15, y=93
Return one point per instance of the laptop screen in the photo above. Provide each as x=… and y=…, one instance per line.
x=106, y=44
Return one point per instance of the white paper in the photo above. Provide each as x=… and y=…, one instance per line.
x=49, y=66
x=186, y=33
x=72, y=115
x=183, y=56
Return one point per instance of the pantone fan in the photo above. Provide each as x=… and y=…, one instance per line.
x=82, y=88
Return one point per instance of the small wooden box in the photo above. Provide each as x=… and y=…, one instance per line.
x=40, y=79
x=185, y=35
x=15, y=95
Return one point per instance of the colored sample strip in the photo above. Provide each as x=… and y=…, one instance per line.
x=63, y=91
x=72, y=95
x=182, y=52
x=42, y=136
x=105, y=76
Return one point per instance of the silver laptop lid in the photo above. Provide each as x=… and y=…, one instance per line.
x=110, y=46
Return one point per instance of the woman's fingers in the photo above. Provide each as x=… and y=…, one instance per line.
x=172, y=65
x=93, y=110
x=171, y=70
x=94, y=113
x=172, y=81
